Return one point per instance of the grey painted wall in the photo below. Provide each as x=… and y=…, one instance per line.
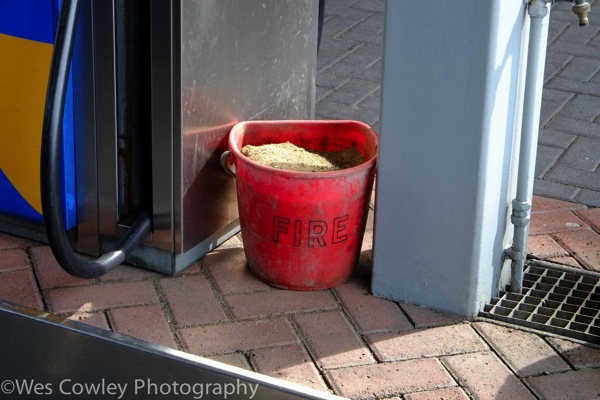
x=450, y=124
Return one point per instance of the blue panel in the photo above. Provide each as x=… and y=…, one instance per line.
x=29, y=19
x=68, y=183
x=37, y=20
x=13, y=203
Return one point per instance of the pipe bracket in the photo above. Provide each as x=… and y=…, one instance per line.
x=537, y=9
x=514, y=255
x=520, y=213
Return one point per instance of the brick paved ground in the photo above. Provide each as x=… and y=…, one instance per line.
x=569, y=142
x=344, y=340
x=341, y=340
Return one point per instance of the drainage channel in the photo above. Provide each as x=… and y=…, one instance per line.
x=558, y=300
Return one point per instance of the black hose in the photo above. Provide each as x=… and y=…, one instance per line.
x=51, y=164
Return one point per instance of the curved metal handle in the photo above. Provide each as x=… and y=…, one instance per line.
x=224, y=157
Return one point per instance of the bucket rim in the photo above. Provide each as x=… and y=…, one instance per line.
x=237, y=154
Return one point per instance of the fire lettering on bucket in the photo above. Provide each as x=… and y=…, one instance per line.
x=316, y=230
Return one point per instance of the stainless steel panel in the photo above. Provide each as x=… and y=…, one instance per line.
x=239, y=60
x=162, y=48
x=212, y=63
x=106, y=118
x=85, y=133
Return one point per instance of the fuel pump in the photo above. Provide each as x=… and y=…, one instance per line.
x=149, y=131
x=50, y=166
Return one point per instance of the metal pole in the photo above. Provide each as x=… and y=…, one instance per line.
x=521, y=210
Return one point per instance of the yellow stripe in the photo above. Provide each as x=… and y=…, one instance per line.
x=23, y=81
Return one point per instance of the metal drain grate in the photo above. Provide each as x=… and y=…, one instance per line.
x=554, y=300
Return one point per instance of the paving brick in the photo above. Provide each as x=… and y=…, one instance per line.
x=580, y=68
x=575, y=86
x=583, y=384
x=235, y=359
x=370, y=313
x=557, y=96
x=557, y=139
x=143, y=322
x=486, y=377
x=353, y=91
x=584, y=246
x=19, y=287
x=555, y=221
x=589, y=197
x=372, y=101
x=364, y=55
x=370, y=5
x=328, y=81
x=555, y=61
x=388, y=379
x=572, y=125
x=49, y=273
x=591, y=216
x=100, y=297
x=334, y=110
x=547, y=156
x=192, y=301
x=429, y=342
x=544, y=247
x=332, y=341
x=290, y=363
x=544, y=187
x=13, y=259
x=97, y=319
x=583, y=106
x=423, y=317
x=230, y=273
x=278, y=302
x=341, y=23
x=579, y=355
x=237, y=336
x=453, y=393
x=548, y=111
x=371, y=74
x=576, y=34
x=14, y=242
x=545, y=204
x=577, y=177
x=526, y=353
x=583, y=154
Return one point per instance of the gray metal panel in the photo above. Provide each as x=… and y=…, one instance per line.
x=85, y=134
x=162, y=124
x=62, y=356
x=250, y=59
x=106, y=118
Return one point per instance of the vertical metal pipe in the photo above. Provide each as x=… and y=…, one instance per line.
x=521, y=205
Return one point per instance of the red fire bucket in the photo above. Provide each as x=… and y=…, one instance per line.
x=303, y=230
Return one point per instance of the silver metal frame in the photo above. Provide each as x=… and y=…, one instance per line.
x=212, y=63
